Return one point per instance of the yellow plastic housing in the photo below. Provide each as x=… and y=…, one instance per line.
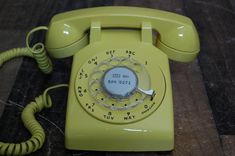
x=96, y=34
x=140, y=123
x=153, y=131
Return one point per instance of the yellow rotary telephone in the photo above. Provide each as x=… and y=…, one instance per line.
x=120, y=95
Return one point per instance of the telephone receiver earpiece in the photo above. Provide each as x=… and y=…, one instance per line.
x=177, y=38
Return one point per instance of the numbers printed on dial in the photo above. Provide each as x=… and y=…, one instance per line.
x=81, y=91
x=146, y=62
x=129, y=116
x=93, y=60
x=110, y=53
x=119, y=82
x=98, y=103
x=130, y=53
x=108, y=116
x=147, y=108
x=90, y=106
x=83, y=74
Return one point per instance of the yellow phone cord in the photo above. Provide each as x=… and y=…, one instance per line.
x=37, y=52
x=43, y=101
x=38, y=134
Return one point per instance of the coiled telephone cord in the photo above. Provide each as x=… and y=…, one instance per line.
x=12, y=53
x=37, y=52
x=38, y=134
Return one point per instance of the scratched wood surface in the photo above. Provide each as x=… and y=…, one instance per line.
x=195, y=128
x=8, y=72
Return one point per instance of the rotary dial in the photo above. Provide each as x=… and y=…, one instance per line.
x=118, y=89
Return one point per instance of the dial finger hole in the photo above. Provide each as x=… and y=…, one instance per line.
x=124, y=103
x=101, y=97
x=136, y=67
x=111, y=102
x=95, y=86
x=126, y=63
x=114, y=62
x=103, y=67
x=137, y=97
x=96, y=75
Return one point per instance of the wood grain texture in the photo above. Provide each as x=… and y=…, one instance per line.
x=8, y=72
x=228, y=144
x=138, y=154
x=20, y=14
x=215, y=22
x=195, y=130
x=167, y=5
x=16, y=18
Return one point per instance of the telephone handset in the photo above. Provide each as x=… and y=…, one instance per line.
x=120, y=96
x=178, y=37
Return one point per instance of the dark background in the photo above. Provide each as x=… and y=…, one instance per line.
x=204, y=90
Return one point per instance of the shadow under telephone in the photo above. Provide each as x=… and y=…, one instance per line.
x=120, y=95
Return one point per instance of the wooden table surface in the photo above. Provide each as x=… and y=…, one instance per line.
x=196, y=86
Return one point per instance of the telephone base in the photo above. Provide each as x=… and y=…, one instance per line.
x=89, y=124
x=144, y=135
